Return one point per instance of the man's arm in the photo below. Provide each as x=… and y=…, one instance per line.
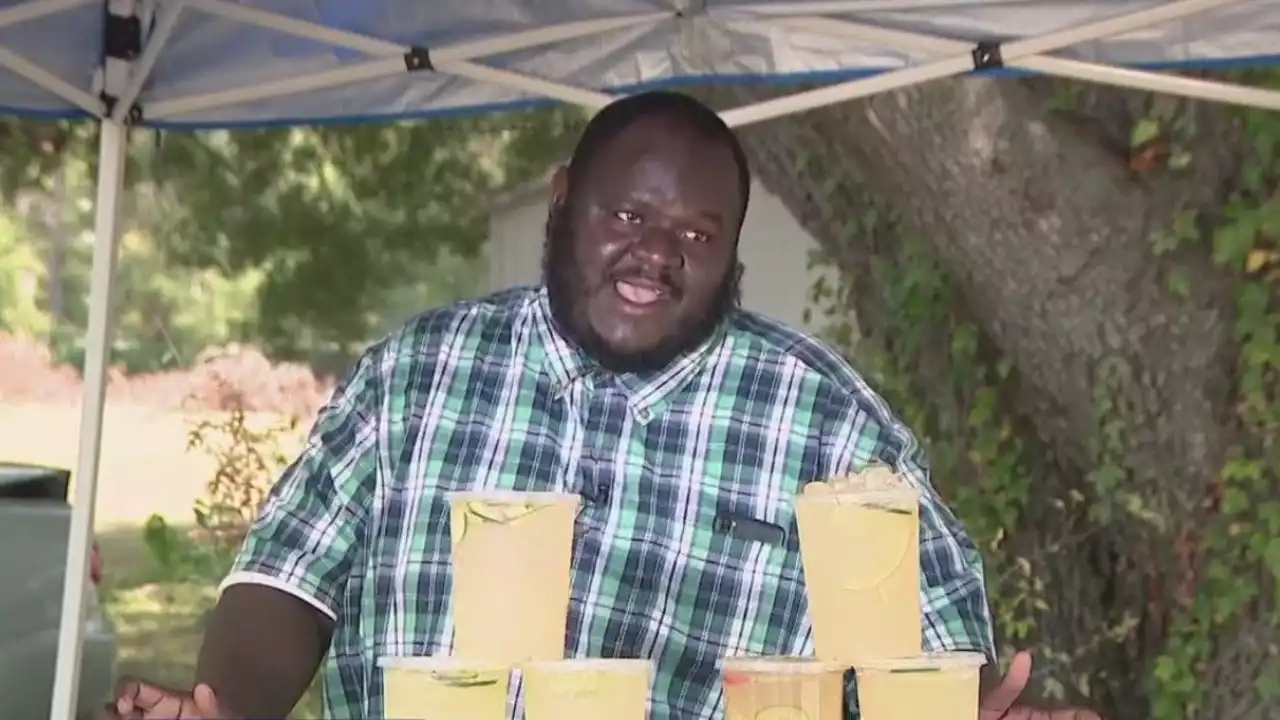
x=280, y=603
x=261, y=650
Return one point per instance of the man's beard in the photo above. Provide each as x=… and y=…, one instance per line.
x=567, y=293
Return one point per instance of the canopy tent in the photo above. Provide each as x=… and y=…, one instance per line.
x=200, y=64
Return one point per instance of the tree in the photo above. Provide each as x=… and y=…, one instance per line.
x=332, y=214
x=338, y=230
x=19, y=269
x=1063, y=313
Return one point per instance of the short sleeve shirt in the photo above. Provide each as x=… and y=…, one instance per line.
x=487, y=394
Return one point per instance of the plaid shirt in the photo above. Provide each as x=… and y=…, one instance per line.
x=486, y=394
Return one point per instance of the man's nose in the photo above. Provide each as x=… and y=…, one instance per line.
x=660, y=246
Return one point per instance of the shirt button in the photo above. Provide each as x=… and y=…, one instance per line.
x=643, y=415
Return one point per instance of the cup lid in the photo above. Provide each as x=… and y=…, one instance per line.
x=446, y=664
x=505, y=496
x=896, y=497
x=780, y=665
x=586, y=664
x=946, y=660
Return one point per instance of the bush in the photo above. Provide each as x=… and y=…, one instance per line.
x=29, y=373
x=247, y=460
x=248, y=457
x=223, y=379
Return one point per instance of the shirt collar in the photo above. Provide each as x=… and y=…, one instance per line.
x=647, y=393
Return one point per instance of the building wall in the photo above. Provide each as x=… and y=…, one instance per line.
x=774, y=250
x=514, y=250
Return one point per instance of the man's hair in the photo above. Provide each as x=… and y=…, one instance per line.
x=622, y=114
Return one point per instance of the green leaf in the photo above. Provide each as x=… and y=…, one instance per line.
x=1144, y=131
x=1232, y=242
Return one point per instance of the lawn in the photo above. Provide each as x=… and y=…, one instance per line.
x=159, y=619
x=145, y=468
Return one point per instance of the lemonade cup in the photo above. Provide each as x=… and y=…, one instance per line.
x=427, y=688
x=783, y=688
x=587, y=689
x=511, y=561
x=860, y=550
x=938, y=686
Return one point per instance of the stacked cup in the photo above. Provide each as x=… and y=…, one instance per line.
x=511, y=556
x=860, y=547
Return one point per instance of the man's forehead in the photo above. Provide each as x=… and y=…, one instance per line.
x=666, y=133
x=664, y=146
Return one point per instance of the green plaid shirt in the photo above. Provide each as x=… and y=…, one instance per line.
x=486, y=394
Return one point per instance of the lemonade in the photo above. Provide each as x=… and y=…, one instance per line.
x=939, y=686
x=783, y=689
x=587, y=689
x=510, y=546
x=429, y=688
x=860, y=547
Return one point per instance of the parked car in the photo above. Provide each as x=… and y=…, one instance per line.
x=34, y=520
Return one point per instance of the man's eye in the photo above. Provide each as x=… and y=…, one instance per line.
x=627, y=216
x=696, y=236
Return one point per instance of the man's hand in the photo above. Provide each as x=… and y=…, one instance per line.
x=999, y=703
x=141, y=700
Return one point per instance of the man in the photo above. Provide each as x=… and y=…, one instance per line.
x=631, y=378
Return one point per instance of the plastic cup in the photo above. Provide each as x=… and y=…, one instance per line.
x=861, y=556
x=778, y=688
x=511, y=559
x=938, y=686
x=430, y=688
x=587, y=689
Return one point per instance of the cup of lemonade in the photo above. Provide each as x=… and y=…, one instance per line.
x=431, y=688
x=937, y=686
x=511, y=557
x=587, y=689
x=783, y=688
x=860, y=549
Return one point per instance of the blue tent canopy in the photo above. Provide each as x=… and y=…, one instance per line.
x=222, y=63
x=251, y=63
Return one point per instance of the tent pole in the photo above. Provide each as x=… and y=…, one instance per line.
x=388, y=60
x=36, y=9
x=111, y=161
x=1169, y=83
x=142, y=67
x=23, y=67
x=963, y=63
x=10, y=60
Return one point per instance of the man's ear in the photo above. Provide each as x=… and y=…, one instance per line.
x=559, y=186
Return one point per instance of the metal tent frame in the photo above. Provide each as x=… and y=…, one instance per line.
x=138, y=32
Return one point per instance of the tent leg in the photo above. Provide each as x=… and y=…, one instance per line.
x=111, y=161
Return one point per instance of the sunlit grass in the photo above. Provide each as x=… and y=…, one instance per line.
x=160, y=622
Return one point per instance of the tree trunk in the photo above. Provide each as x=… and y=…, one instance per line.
x=1045, y=225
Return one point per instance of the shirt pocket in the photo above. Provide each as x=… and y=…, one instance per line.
x=753, y=550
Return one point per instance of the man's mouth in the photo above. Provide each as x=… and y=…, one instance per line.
x=642, y=292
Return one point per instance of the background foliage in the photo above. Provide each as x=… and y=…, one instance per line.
x=308, y=243
x=305, y=242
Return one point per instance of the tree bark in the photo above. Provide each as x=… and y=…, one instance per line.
x=1046, y=228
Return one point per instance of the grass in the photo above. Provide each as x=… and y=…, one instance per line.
x=159, y=620
x=144, y=469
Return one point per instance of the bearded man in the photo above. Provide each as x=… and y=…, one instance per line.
x=631, y=377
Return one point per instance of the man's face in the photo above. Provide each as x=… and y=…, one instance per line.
x=641, y=262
